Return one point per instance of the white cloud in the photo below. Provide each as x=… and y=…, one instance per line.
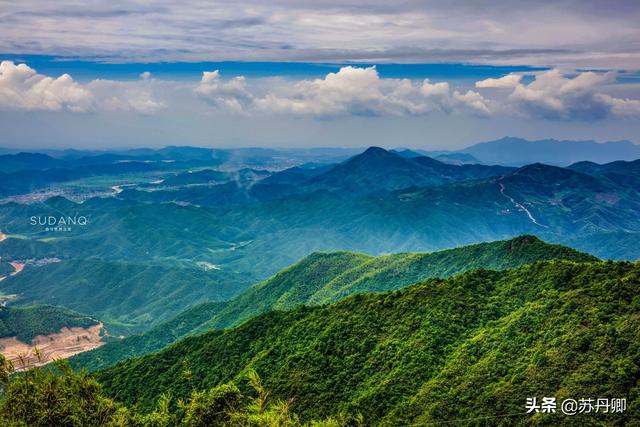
x=553, y=95
x=508, y=81
x=137, y=96
x=228, y=94
x=621, y=106
x=23, y=89
x=350, y=90
x=473, y=101
x=361, y=91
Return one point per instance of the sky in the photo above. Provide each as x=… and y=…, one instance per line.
x=430, y=74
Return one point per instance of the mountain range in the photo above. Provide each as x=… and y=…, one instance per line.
x=512, y=151
x=474, y=345
x=391, y=287
x=23, y=172
x=327, y=277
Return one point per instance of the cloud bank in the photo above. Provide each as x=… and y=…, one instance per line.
x=573, y=33
x=23, y=89
x=351, y=91
x=361, y=91
x=552, y=95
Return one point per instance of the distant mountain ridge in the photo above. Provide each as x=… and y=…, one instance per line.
x=377, y=171
x=512, y=151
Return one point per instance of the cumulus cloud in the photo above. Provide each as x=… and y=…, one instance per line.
x=361, y=91
x=473, y=101
x=351, y=90
x=135, y=96
x=553, y=95
x=23, y=89
x=508, y=81
x=230, y=94
x=621, y=106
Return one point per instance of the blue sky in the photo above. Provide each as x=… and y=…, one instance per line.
x=428, y=74
x=83, y=69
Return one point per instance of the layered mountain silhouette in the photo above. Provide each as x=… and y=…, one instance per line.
x=517, y=151
x=377, y=171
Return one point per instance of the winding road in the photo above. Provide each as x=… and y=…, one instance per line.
x=519, y=206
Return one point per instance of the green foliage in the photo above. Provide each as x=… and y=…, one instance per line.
x=155, y=339
x=214, y=407
x=6, y=269
x=474, y=345
x=64, y=398
x=127, y=296
x=325, y=278
x=47, y=398
x=27, y=322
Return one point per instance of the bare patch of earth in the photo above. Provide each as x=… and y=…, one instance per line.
x=61, y=345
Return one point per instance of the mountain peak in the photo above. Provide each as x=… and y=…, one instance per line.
x=376, y=157
x=376, y=151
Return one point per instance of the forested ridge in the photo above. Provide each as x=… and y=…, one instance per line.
x=26, y=322
x=474, y=345
x=327, y=277
x=405, y=347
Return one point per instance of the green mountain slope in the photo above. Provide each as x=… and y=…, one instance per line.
x=323, y=278
x=150, y=341
x=477, y=344
x=620, y=172
x=27, y=322
x=129, y=297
